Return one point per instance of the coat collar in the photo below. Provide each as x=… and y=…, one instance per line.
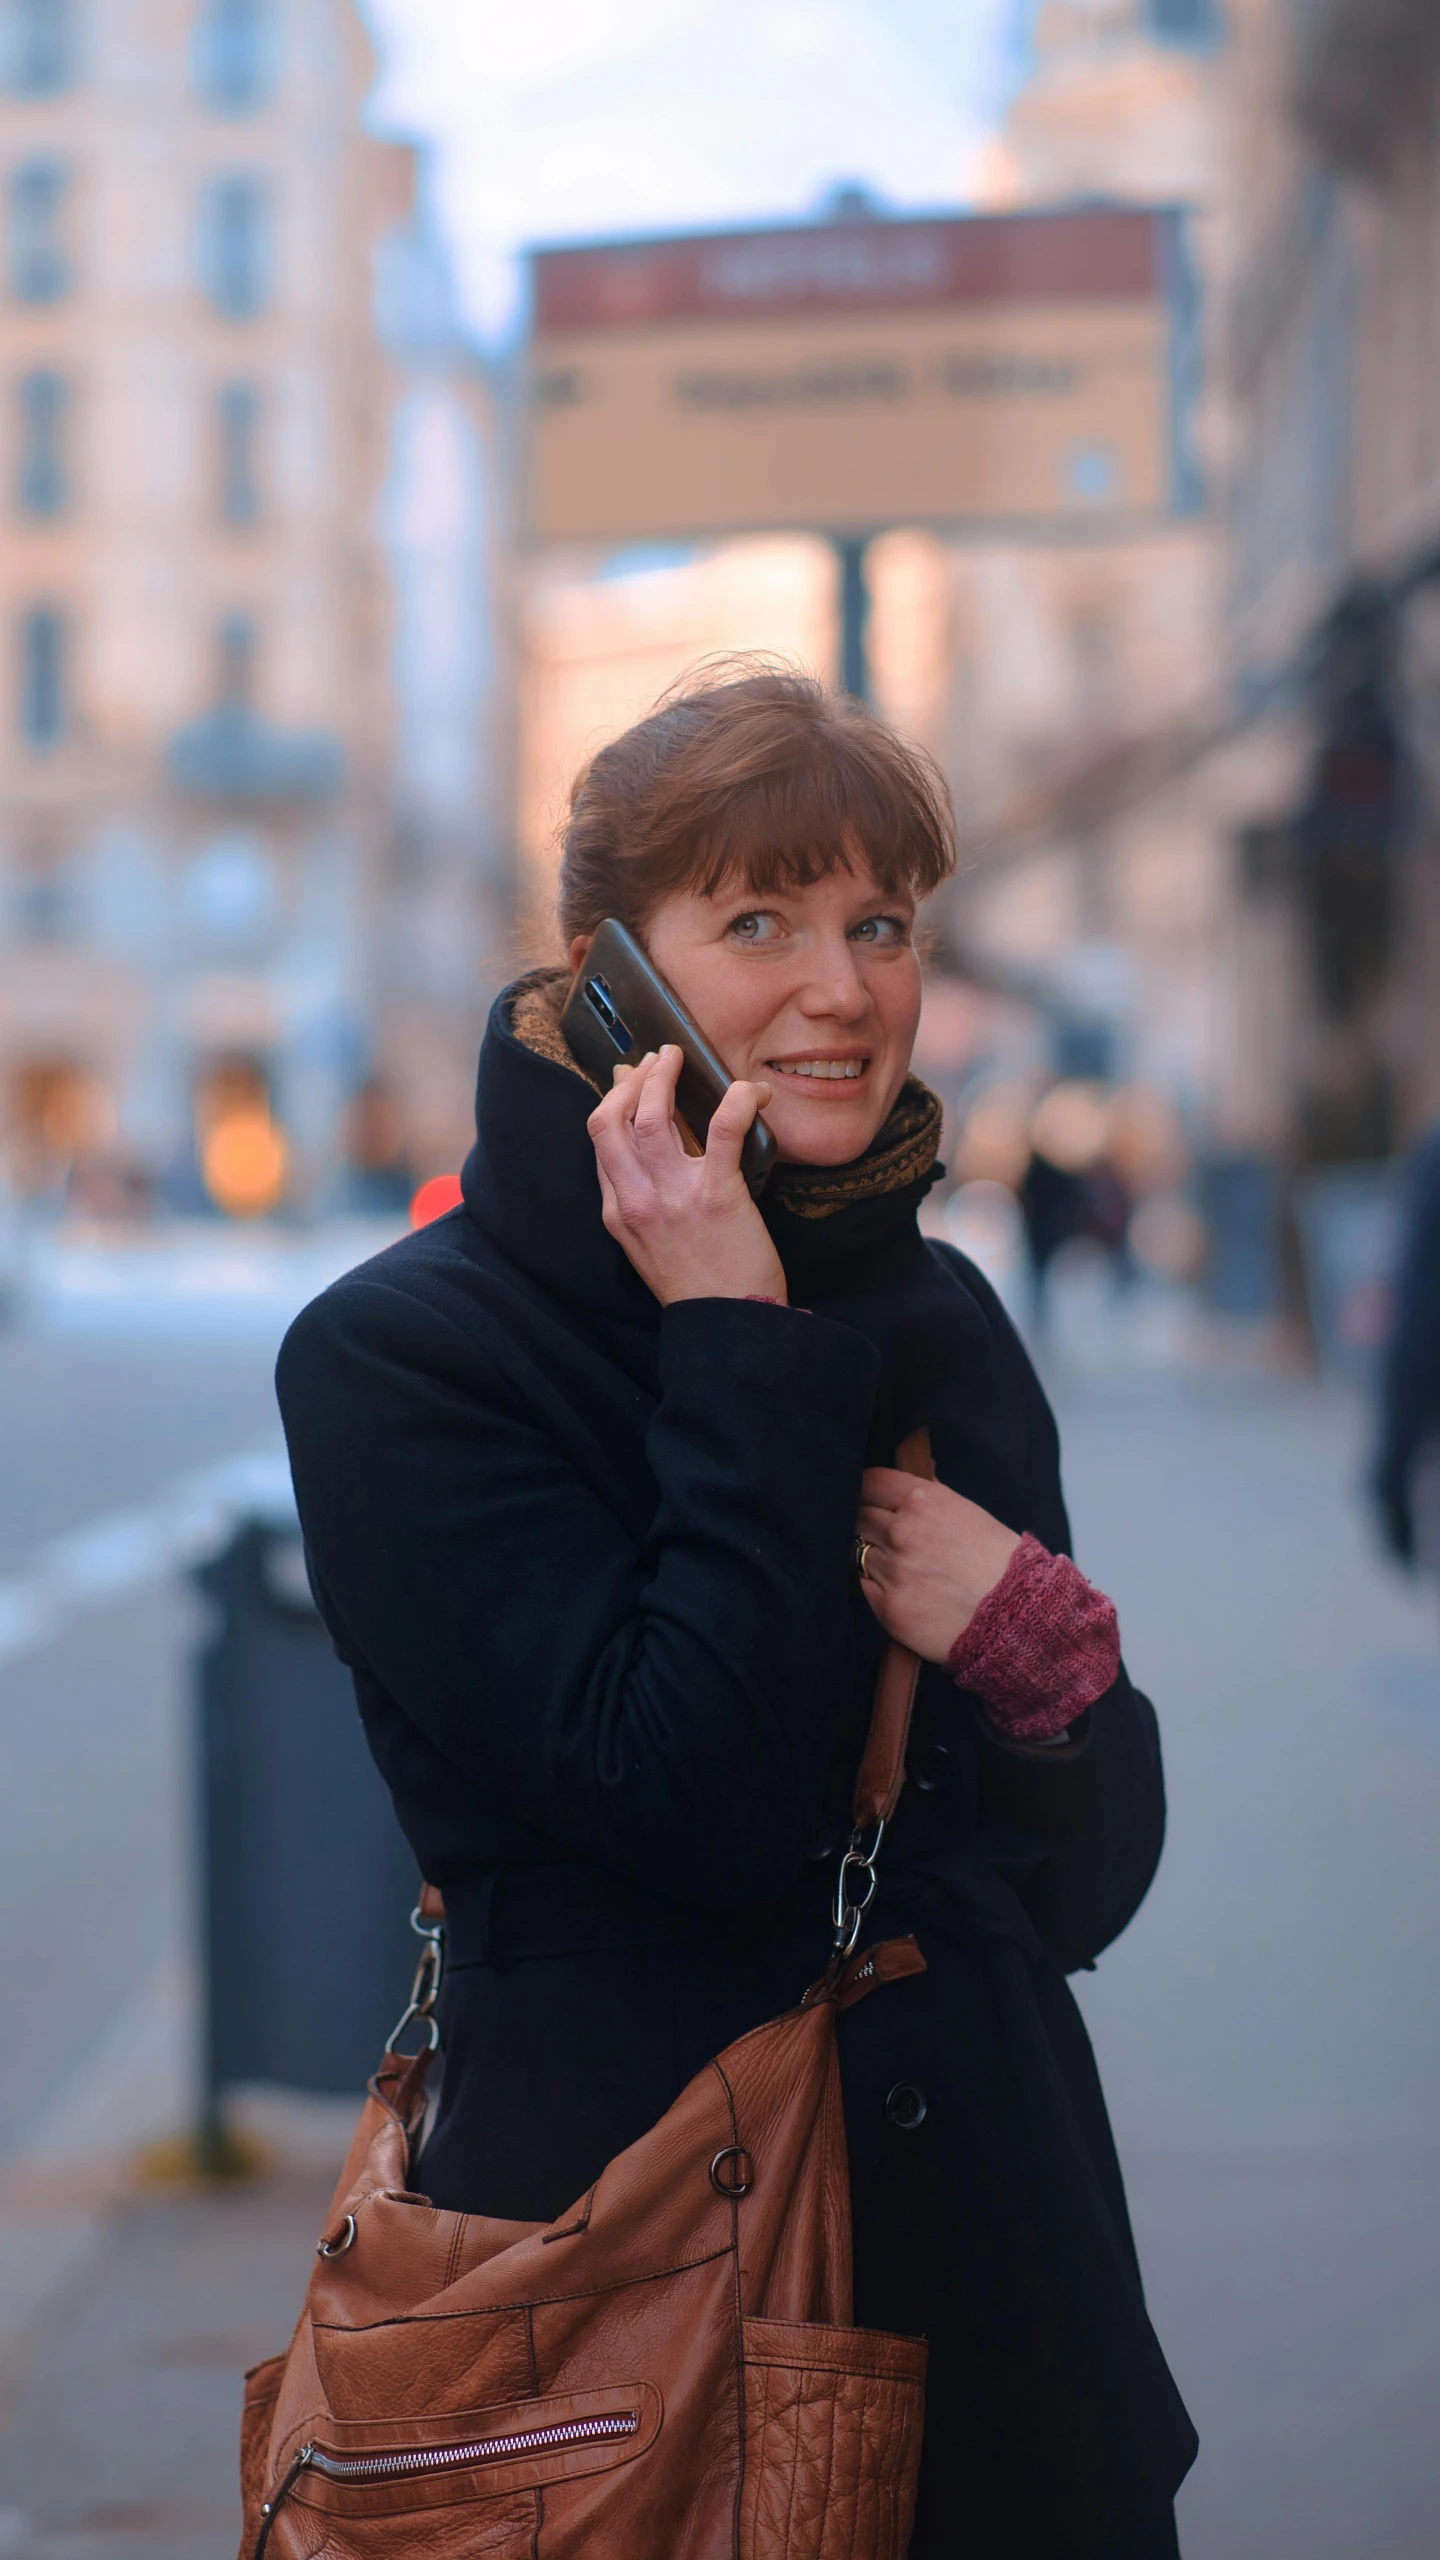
x=529, y=1185
x=529, y=1181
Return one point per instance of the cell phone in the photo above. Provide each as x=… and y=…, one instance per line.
x=620, y=1006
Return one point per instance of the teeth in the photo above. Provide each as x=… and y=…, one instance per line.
x=837, y=1069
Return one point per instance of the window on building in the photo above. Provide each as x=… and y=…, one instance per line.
x=39, y=267
x=44, y=482
x=236, y=47
x=37, y=47
x=1184, y=21
x=235, y=246
x=42, y=676
x=238, y=415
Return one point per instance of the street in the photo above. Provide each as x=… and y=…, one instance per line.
x=1266, y=2029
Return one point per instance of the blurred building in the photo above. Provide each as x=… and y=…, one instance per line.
x=1334, y=607
x=200, y=725
x=441, y=938
x=1041, y=672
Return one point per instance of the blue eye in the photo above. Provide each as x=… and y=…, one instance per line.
x=881, y=930
x=755, y=926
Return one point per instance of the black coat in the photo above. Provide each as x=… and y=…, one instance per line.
x=592, y=1565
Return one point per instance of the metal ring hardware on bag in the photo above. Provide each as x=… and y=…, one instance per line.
x=732, y=2171
x=424, y=1990
x=336, y=2248
x=855, y=1889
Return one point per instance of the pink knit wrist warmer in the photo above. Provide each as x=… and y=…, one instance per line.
x=1041, y=1647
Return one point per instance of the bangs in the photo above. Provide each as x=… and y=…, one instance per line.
x=762, y=780
x=791, y=828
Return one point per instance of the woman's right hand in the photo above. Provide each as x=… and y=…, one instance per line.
x=688, y=1223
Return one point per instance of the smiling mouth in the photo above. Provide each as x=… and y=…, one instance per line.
x=820, y=1070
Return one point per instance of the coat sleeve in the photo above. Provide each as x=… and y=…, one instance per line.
x=1094, y=1807
x=661, y=1694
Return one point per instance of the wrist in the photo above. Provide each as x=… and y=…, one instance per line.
x=770, y=1293
x=745, y=1274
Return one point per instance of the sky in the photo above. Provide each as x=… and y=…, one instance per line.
x=572, y=119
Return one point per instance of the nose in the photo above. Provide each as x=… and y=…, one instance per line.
x=835, y=988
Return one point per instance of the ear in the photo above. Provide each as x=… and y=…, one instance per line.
x=578, y=949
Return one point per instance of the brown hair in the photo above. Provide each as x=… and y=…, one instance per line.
x=761, y=776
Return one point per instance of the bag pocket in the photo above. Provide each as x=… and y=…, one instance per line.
x=833, y=2425
x=465, y=2482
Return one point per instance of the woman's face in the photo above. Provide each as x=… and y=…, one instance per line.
x=815, y=990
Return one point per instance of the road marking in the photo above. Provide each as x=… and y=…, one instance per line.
x=125, y=1550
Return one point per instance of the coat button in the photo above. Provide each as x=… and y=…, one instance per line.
x=934, y=1769
x=906, y=2106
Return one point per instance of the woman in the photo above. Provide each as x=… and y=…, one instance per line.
x=586, y=1470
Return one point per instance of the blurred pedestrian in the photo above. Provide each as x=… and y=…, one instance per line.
x=1054, y=1207
x=1071, y=1192
x=1407, y=1469
x=596, y=1476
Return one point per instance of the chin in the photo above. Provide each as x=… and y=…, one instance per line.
x=803, y=1136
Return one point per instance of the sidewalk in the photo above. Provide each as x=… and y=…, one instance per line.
x=125, y=2421
x=128, y=2312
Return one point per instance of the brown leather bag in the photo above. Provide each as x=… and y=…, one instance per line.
x=667, y=2372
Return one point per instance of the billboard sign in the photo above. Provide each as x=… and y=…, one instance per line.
x=1027, y=371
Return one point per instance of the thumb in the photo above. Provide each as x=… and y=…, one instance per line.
x=732, y=1122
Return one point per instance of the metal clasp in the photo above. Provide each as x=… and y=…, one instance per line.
x=343, y=2240
x=855, y=1888
x=424, y=1990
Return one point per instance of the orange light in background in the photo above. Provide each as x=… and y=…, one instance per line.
x=1166, y=1235
x=1147, y=1143
x=244, y=1161
x=995, y=1141
x=434, y=1197
x=1071, y=1126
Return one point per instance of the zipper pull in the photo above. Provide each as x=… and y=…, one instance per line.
x=301, y=2463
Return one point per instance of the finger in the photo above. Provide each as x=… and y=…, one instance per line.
x=609, y=1200
x=630, y=1093
x=874, y=1524
x=886, y=1488
x=655, y=1108
x=612, y=1133
x=619, y=1105
x=732, y=1121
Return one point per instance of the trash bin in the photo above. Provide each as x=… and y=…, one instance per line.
x=306, y=1881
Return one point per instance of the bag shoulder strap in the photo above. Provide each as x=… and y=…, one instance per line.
x=882, y=1770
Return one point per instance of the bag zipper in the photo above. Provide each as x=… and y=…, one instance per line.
x=445, y=2457
x=358, y=2469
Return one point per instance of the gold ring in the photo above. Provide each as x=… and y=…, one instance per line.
x=862, y=1550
